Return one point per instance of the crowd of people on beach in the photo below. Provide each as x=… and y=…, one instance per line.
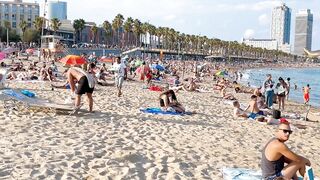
x=171, y=77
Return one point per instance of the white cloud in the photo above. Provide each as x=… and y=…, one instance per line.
x=264, y=20
x=170, y=17
x=249, y=33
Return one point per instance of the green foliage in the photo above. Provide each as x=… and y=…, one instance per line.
x=31, y=35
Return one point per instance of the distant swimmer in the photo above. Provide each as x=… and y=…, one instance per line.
x=295, y=86
x=306, y=93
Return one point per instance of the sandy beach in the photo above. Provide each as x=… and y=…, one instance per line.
x=118, y=141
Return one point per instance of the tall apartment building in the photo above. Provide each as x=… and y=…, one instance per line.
x=303, y=31
x=280, y=26
x=17, y=11
x=56, y=9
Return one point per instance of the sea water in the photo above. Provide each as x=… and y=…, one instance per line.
x=299, y=76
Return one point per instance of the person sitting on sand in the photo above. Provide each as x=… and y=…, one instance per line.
x=192, y=86
x=261, y=101
x=276, y=154
x=168, y=99
x=225, y=95
x=237, y=111
x=253, y=108
x=257, y=91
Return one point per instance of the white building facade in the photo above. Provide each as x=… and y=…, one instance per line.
x=16, y=11
x=270, y=44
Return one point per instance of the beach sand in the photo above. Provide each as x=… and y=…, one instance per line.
x=120, y=142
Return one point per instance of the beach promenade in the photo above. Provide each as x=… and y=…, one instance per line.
x=118, y=141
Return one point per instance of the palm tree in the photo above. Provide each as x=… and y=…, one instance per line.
x=23, y=25
x=76, y=26
x=55, y=24
x=117, y=24
x=81, y=24
x=128, y=25
x=38, y=23
x=107, y=28
x=137, y=30
x=7, y=25
x=94, y=31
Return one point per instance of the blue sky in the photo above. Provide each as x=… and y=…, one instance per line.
x=223, y=19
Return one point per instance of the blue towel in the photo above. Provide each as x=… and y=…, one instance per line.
x=159, y=111
x=241, y=174
x=28, y=93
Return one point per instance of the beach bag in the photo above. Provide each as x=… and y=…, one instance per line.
x=276, y=114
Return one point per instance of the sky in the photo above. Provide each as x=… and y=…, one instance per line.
x=224, y=19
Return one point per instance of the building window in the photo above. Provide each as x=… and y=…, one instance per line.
x=21, y=17
x=14, y=17
x=14, y=24
x=21, y=10
x=29, y=17
x=6, y=8
x=29, y=25
x=14, y=8
x=29, y=9
x=37, y=11
x=6, y=16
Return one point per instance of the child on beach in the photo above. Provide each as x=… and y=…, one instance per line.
x=237, y=111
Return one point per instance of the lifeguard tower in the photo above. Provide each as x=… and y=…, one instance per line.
x=52, y=43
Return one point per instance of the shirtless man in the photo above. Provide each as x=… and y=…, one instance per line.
x=253, y=108
x=83, y=86
x=276, y=154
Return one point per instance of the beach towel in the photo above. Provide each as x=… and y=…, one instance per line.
x=155, y=88
x=241, y=174
x=154, y=110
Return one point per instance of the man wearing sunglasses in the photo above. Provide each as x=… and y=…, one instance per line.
x=278, y=160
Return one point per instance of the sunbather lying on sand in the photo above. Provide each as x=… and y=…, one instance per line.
x=225, y=95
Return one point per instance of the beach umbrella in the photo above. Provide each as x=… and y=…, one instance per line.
x=2, y=56
x=73, y=60
x=9, y=50
x=221, y=73
x=106, y=59
x=158, y=67
x=29, y=51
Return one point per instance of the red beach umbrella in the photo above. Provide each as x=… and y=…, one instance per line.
x=2, y=55
x=73, y=60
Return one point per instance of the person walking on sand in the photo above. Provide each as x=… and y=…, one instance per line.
x=276, y=154
x=86, y=85
x=306, y=94
x=119, y=73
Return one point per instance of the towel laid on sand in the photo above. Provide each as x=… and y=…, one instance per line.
x=240, y=174
x=153, y=110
